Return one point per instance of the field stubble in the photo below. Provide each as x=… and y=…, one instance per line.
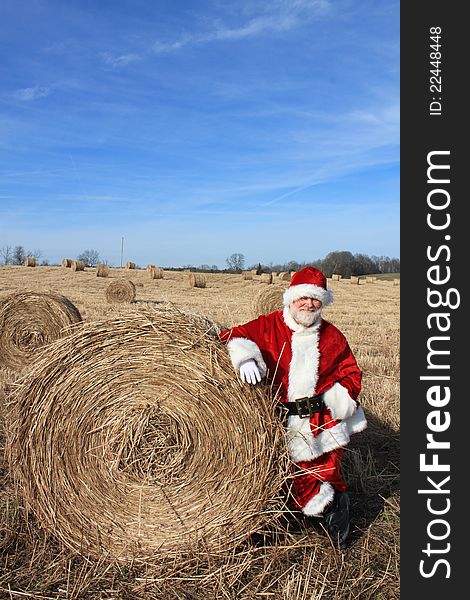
x=292, y=567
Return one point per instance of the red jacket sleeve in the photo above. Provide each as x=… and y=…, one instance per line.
x=243, y=343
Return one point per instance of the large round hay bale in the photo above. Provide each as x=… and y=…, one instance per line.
x=133, y=439
x=150, y=267
x=246, y=275
x=354, y=279
x=336, y=277
x=266, y=278
x=284, y=276
x=66, y=263
x=197, y=280
x=120, y=291
x=77, y=265
x=130, y=265
x=267, y=300
x=29, y=262
x=102, y=270
x=29, y=321
x=155, y=273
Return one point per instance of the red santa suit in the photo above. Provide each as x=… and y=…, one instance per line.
x=304, y=362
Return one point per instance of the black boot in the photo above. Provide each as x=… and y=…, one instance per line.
x=336, y=519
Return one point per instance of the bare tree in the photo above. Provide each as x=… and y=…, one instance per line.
x=19, y=255
x=90, y=257
x=34, y=254
x=236, y=262
x=6, y=253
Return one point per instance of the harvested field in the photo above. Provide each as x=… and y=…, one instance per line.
x=284, y=565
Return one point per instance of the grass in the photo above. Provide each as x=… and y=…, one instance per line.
x=293, y=566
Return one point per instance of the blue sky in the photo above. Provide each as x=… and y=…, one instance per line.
x=200, y=129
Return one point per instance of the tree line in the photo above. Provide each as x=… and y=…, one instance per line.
x=342, y=262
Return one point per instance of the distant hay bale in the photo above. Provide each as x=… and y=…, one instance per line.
x=198, y=280
x=247, y=275
x=336, y=277
x=29, y=262
x=121, y=444
x=284, y=276
x=29, y=321
x=396, y=282
x=120, y=291
x=130, y=265
x=371, y=279
x=77, y=265
x=66, y=263
x=354, y=280
x=155, y=273
x=266, y=278
x=267, y=300
x=102, y=270
x=150, y=267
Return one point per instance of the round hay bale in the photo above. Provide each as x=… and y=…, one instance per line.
x=29, y=262
x=155, y=273
x=354, y=279
x=336, y=277
x=120, y=291
x=66, y=263
x=284, y=276
x=396, y=282
x=130, y=265
x=29, y=321
x=150, y=267
x=198, y=280
x=247, y=275
x=121, y=443
x=77, y=265
x=266, y=278
x=267, y=300
x=102, y=270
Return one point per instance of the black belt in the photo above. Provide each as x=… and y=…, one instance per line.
x=304, y=407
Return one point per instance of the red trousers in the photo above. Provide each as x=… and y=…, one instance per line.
x=307, y=477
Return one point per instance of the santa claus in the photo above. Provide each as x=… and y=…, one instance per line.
x=312, y=368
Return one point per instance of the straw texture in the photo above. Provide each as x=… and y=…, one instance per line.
x=77, y=265
x=267, y=300
x=198, y=280
x=28, y=321
x=120, y=292
x=102, y=270
x=133, y=438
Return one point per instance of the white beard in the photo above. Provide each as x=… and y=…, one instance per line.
x=306, y=318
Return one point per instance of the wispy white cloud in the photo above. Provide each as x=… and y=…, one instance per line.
x=32, y=93
x=122, y=60
x=276, y=17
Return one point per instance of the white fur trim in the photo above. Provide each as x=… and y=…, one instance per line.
x=304, y=446
x=303, y=368
x=316, y=505
x=241, y=349
x=338, y=401
x=294, y=292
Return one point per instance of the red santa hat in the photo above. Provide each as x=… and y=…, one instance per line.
x=310, y=283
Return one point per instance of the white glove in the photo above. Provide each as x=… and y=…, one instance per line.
x=249, y=372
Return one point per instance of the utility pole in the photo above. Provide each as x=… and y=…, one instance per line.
x=122, y=249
